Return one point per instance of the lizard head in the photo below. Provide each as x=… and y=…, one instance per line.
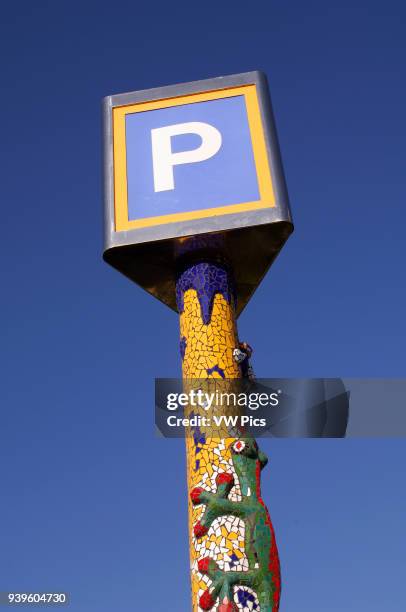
x=246, y=456
x=246, y=451
x=248, y=448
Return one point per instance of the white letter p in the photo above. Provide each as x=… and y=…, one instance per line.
x=164, y=160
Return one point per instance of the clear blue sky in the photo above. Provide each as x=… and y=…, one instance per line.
x=87, y=492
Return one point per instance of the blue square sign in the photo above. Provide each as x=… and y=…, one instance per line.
x=189, y=157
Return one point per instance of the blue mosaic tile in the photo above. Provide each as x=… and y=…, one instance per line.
x=207, y=280
x=217, y=369
x=182, y=347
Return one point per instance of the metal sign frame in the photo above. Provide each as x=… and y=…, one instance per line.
x=145, y=249
x=273, y=204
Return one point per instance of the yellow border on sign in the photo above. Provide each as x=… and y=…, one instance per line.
x=267, y=197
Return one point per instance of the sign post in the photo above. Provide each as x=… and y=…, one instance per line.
x=196, y=210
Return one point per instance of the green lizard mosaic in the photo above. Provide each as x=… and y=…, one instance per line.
x=263, y=575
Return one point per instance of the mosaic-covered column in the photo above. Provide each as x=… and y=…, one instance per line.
x=234, y=558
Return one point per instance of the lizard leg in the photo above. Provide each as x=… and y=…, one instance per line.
x=223, y=584
x=221, y=587
x=216, y=504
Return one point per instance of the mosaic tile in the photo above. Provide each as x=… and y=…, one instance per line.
x=221, y=540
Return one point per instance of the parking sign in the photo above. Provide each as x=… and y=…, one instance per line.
x=190, y=159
